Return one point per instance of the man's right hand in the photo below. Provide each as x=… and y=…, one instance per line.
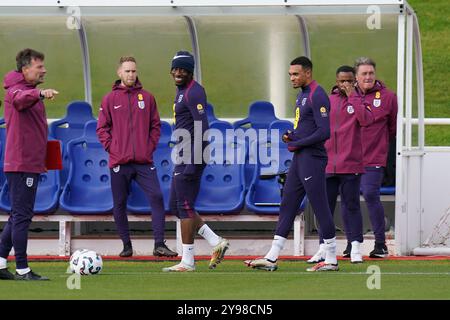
x=285, y=137
x=348, y=88
x=48, y=93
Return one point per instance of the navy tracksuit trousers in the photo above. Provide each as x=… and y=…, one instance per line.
x=347, y=185
x=22, y=194
x=371, y=182
x=306, y=176
x=146, y=177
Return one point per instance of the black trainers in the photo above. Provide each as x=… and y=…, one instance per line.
x=30, y=276
x=127, y=251
x=6, y=275
x=380, y=251
x=346, y=253
x=161, y=250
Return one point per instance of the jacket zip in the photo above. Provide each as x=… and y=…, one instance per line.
x=131, y=124
x=336, y=126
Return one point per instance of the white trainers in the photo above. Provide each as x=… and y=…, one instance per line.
x=355, y=253
x=181, y=267
x=218, y=253
x=319, y=256
x=322, y=266
x=262, y=264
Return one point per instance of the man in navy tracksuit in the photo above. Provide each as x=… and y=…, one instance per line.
x=307, y=172
x=129, y=129
x=348, y=116
x=190, y=118
x=26, y=143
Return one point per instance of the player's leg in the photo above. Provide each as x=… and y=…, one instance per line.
x=23, y=188
x=186, y=221
x=370, y=185
x=5, y=248
x=147, y=179
x=312, y=174
x=186, y=191
x=332, y=182
x=120, y=183
x=293, y=193
x=351, y=214
x=220, y=245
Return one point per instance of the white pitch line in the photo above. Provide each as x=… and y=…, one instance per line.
x=258, y=272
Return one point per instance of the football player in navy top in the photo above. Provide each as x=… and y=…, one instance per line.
x=191, y=123
x=307, y=172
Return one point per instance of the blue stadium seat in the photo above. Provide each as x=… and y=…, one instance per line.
x=222, y=188
x=47, y=196
x=137, y=200
x=260, y=115
x=70, y=127
x=282, y=126
x=224, y=128
x=264, y=196
x=88, y=188
x=211, y=115
x=387, y=190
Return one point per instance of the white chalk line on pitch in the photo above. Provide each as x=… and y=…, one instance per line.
x=257, y=272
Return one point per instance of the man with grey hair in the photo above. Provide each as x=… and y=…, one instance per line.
x=375, y=138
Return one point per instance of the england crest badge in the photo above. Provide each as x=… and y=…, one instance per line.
x=29, y=182
x=350, y=109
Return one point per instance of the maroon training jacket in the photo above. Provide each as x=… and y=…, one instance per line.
x=344, y=148
x=376, y=136
x=129, y=125
x=26, y=126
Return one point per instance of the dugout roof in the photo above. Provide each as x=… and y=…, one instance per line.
x=242, y=48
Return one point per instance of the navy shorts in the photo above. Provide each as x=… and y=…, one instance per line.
x=184, y=191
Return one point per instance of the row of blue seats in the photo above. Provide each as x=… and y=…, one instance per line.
x=261, y=115
x=87, y=189
x=72, y=126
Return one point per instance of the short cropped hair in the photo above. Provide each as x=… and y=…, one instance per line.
x=345, y=69
x=302, y=61
x=24, y=57
x=126, y=59
x=364, y=61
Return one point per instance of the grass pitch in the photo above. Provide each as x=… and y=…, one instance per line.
x=232, y=280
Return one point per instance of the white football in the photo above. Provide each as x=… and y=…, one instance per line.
x=88, y=262
x=74, y=259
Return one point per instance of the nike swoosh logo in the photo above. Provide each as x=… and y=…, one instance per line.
x=152, y=168
x=307, y=178
x=117, y=107
x=176, y=173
